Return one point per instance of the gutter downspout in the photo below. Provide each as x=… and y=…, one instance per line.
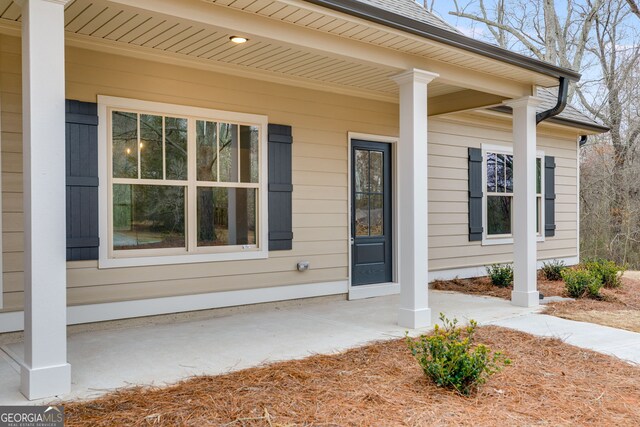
x=583, y=140
x=563, y=90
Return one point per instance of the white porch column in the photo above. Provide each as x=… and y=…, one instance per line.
x=413, y=239
x=525, y=287
x=45, y=371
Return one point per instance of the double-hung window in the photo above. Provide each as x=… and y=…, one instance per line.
x=183, y=182
x=498, y=195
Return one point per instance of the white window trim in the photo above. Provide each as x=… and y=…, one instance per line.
x=505, y=240
x=105, y=260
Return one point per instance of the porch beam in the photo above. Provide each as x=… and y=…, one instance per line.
x=464, y=100
x=413, y=239
x=525, y=288
x=45, y=371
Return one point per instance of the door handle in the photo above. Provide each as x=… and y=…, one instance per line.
x=352, y=240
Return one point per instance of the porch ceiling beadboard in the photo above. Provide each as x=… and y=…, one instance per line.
x=317, y=18
x=119, y=24
x=122, y=25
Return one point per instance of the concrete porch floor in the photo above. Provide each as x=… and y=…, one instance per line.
x=165, y=350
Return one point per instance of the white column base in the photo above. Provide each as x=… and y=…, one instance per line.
x=414, y=319
x=38, y=383
x=525, y=299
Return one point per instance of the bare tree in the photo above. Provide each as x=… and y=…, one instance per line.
x=537, y=26
x=427, y=4
x=596, y=37
x=634, y=7
x=616, y=48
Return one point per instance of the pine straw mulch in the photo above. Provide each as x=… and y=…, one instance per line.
x=619, y=308
x=483, y=286
x=549, y=382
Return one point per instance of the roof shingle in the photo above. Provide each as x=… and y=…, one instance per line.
x=550, y=97
x=412, y=10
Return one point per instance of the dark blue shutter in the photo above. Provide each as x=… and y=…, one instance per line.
x=82, y=180
x=475, y=195
x=549, y=196
x=280, y=188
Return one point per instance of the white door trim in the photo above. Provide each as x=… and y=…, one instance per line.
x=377, y=289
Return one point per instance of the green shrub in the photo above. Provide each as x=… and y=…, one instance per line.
x=552, y=270
x=450, y=358
x=607, y=271
x=501, y=275
x=581, y=282
x=593, y=289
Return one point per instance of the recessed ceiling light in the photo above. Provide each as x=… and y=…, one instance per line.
x=238, y=39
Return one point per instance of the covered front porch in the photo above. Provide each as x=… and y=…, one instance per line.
x=165, y=349
x=399, y=69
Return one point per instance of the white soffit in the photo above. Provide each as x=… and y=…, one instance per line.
x=93, y=23
x=321, y=19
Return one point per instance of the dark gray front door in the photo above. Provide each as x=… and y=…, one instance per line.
x=371, y=213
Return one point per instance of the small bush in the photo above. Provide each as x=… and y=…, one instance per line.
x=593, y=290
x=581, y=282
x=501, y=275
x=552, y=270
x=607, y=271
x=450, y=358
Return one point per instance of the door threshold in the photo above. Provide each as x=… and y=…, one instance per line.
x=373, y=290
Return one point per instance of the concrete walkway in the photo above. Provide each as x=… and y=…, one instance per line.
x=166, y=349
x=603, y=339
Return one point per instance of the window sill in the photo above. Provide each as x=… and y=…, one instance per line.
x=105, y=262
x=504, y=241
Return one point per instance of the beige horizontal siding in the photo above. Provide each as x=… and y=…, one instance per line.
x=319, y=192
x=321, y=122
x=12, y=206
x=449, y=140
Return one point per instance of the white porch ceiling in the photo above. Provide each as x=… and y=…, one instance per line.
x=317, y=18
x=118, y=25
